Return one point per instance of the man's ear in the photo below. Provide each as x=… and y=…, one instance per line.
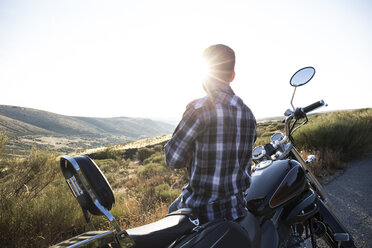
x=232, y=76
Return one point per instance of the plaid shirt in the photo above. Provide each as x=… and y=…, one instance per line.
x=218, y=131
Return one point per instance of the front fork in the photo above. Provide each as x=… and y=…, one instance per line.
x=311, y=178
x=326, y=211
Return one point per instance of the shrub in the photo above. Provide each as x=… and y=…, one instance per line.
x=144, y=153
x=26, y=178
x=159, y=148
x=3, y=139
x=114, y=170
x=347, y=132
x=327, y=163
x=36, y=205
x=109, y=153
x=334, y=138
x=165, y=193
x=151, y=170
x=111, y=165
x=150, y=196
x=156, y=158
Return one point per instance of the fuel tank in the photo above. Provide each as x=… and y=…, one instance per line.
x=273, y=184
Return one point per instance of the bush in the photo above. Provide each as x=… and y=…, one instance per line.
x=326, y=164
x=36, y=205
x=109, y=153
x=347, y=132
x=159, y=148
x=111, y=165
x=165, y=193
x=39, y=222
x=156, y=158
x=151, y=170
x=26, y=178
x=144, y=153
x=334, y=138
x=3, y=139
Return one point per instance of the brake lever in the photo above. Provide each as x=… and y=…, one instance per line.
x=303, y=123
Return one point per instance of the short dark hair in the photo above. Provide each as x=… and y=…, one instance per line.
x=221, y=60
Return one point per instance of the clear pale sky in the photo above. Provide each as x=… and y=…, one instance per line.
x=141, y=58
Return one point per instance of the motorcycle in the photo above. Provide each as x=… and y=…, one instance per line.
x=285, y=195
x=287, y=206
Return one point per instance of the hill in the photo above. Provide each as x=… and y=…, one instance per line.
x=27, y=127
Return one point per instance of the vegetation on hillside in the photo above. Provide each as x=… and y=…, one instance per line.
x=3, y=139
x=28, y=127
x=37, y=205
x=26, y=121
x=336, y=138
x=37, y=209
x=346, y=132
x=31, y=207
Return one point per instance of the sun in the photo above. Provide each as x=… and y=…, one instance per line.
x=203, y=69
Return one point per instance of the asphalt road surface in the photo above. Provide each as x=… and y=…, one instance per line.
x=351, y=195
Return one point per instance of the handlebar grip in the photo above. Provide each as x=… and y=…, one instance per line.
x=313, y=106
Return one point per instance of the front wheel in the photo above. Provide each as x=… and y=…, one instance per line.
x=313, y=233
x=325, y=237
x=335, y=231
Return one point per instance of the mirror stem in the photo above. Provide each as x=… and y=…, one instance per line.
x=292, y=98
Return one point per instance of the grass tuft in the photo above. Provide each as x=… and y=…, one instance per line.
x=347, y=132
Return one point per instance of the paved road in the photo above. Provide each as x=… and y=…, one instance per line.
x=351, y=195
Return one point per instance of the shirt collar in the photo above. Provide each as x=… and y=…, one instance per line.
x=214, y=88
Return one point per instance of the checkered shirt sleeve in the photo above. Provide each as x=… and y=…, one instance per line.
x=178, y=148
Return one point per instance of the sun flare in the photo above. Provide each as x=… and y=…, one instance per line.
x=204, y=69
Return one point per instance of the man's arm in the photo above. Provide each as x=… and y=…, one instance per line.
x=178, y=149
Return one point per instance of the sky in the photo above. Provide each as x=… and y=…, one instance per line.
x=142, y=58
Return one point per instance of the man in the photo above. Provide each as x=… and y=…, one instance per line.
x=215, y=139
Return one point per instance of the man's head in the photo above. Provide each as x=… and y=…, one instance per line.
x=221, y=62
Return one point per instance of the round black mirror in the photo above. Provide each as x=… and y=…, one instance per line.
x=302, y=76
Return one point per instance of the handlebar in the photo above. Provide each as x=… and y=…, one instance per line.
x=298, y=114
x=313, y=106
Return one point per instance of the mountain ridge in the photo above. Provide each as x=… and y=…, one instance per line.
x=17, y=120
x=27, y=127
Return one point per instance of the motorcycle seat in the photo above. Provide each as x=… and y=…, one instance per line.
x=252, y=226
x=164, y=231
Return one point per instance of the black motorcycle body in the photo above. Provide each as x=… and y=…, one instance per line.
x=280, y=194
x=287, y=205
x=286, y=181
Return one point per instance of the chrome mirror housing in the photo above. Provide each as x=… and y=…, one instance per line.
x=258, y=152
x=277, y=137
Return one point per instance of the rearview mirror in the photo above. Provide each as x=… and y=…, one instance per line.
x=302, y=76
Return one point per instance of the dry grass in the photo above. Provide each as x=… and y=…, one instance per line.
x=334, y=138
x=327, y=164
x=37, y=205
x=35, y=211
